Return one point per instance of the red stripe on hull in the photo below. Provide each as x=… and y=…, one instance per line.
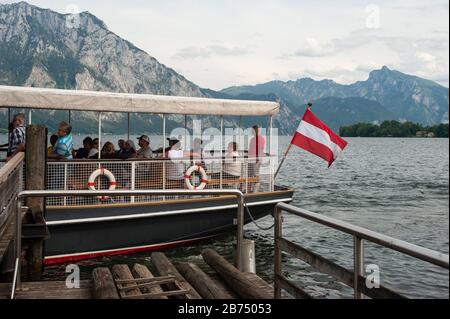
x=49, y=261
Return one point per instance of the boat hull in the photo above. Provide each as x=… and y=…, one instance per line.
x=86, y=232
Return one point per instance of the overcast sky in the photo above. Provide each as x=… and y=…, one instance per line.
x=220, y=43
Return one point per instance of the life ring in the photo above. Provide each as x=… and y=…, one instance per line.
x=102, y=172
x=204, y=179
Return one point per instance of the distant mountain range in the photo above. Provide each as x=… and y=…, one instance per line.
x=386, y=95
x=38, y=48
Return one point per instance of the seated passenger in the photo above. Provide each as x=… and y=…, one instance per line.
x=108, y=151
x=93, y=152
x=232, y=167
x=145, y=151
x=83, y=153
x=53, y=140
x=129, y=151
x=121, y=150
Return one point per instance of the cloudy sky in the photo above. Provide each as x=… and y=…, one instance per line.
x=220, y=43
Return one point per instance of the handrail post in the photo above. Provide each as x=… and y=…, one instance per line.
x=240, y=232
x=277, y=251
x=358, y=255
x=133, y=179
x=18, y=238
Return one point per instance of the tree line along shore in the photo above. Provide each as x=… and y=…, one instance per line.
x=394, y=129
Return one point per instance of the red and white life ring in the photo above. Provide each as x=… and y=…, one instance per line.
x=203, y=181
x=102, y=172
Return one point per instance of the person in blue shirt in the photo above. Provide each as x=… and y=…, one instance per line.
x=64, y=146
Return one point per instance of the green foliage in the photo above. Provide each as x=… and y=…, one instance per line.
x=392, y=129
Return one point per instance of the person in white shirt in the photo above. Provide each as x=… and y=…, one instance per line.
x=232, y=167
x=176, y=166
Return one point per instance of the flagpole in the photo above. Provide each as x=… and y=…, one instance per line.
x=287, y=151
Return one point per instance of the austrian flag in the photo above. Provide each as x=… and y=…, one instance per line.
x=315, y=137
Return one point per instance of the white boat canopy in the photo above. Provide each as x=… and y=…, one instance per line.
x=71, y=100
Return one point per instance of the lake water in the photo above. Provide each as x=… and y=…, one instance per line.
x=399, y=187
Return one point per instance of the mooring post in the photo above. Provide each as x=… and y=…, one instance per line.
x=35, y=170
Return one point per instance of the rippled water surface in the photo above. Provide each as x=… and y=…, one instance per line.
x=398, y=187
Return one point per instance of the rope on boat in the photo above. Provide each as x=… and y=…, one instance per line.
x=254, y=221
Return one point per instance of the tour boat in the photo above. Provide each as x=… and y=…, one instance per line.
x=84, y=228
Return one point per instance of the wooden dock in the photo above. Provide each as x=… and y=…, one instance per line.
x=167, y=281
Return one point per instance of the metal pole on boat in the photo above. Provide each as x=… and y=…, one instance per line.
x=221, y=151
x=270, y=134
x=99, y=133
x=128, y=126
x=287, y=151
x=241, y=142
x=70, y=116
x=164, y=136
x=29, y=117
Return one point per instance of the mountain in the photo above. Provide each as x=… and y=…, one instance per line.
x=43, y=48
x=402, y=97
x=38, y=48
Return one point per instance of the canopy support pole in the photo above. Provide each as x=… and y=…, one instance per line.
x=29, y=116
x=128, y=126
x=70, y=117
x=270, y=134
x=164, y=135
x=240, y=145
x=221, y=151
x=185, y=132
x=99, y=133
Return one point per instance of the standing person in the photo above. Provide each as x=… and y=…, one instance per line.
x=145, y=151
x=17, y=137
x=255, y=152
x=64, y=145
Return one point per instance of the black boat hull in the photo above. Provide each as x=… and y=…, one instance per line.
x=86, y=232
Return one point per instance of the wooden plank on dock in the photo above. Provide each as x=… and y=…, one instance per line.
x=103, y=284
x=165, y=268
x=49, y=290
x=142, y=272
x=219, y=282
x=123, y=272
x=243, y=285
x=204, y=285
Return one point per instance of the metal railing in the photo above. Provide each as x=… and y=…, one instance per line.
x=46, y=194
x=157, y=174
x=355, y=278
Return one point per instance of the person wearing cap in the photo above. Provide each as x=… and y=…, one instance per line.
x=145, y=151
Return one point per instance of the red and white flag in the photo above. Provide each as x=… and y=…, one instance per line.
x=315, y=137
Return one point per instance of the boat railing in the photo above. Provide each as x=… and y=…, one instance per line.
x=255, y=175
x=356, y=278
x=18, y=208
x=10, y=185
